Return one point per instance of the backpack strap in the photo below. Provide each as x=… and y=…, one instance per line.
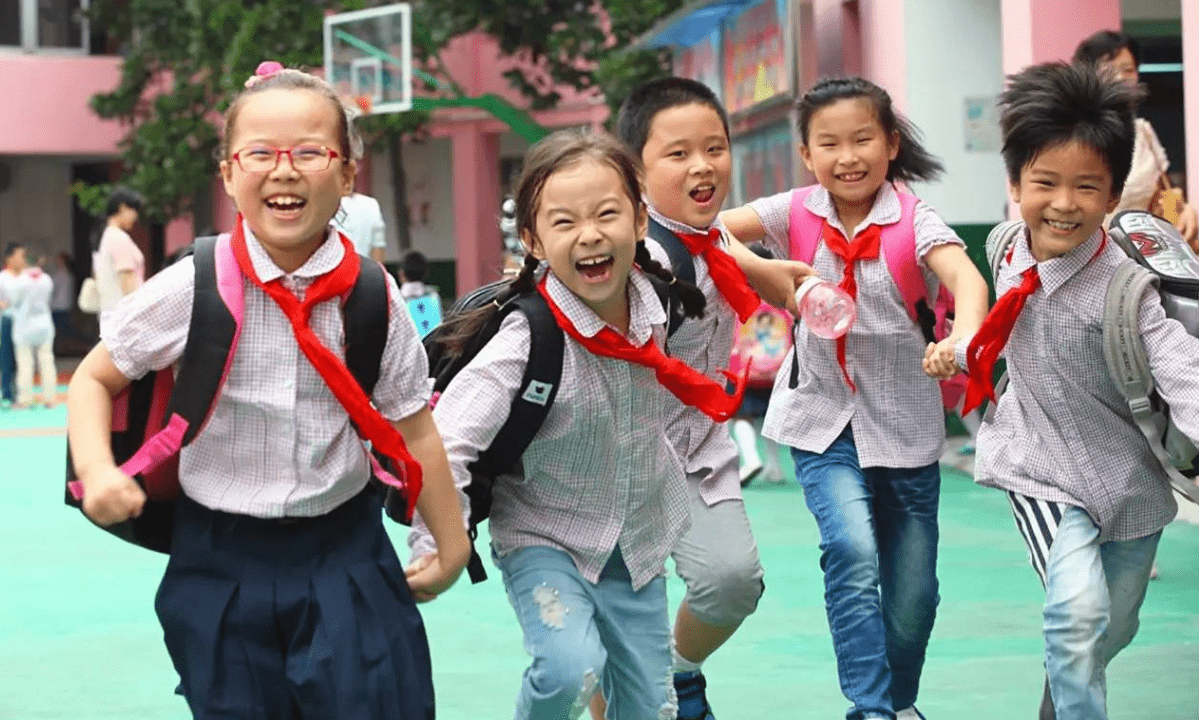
x=682, y=265
x=218, y=306
x=530, y=406
x=803, y=231
x=1000, y=241
x=365, y=313
x=670, y=303
x=898, y=244
x=1128, y=365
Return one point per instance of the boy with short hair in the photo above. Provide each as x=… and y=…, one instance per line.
x=680, y=130
x=1087, y=492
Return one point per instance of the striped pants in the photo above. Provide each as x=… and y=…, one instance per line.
x=1093, y=594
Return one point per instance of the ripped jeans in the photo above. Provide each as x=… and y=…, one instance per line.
x=585, y=636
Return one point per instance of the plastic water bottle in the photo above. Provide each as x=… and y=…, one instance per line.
x=827, y=310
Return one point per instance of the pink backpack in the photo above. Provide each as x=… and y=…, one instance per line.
x=898, y=244
x=765, y=338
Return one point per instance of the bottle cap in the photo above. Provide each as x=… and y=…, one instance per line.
x=805, y=287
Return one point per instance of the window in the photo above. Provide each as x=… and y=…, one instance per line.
x=44, y=24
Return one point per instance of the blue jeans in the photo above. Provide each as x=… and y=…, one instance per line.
x=8, y=361
x=878, y=542
x=583, y=636
x=1093, y=594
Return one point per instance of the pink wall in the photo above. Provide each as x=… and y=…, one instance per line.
x=1190, y=93
x=1058, y=28
x=884, y=48
x=47, y=105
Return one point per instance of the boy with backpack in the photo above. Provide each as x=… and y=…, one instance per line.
x=1088, y=493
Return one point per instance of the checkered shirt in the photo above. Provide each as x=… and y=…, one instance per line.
x=600, y=472
x=896, y=413
x=1062, y=432
x=278, y=443
x=705, y=446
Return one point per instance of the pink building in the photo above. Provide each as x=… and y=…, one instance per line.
x=49, y=139
x=942, y=60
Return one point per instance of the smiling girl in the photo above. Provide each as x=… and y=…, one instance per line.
x=861, y=414
x=582, y=532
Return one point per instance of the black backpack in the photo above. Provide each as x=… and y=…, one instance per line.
x=535, y=396
x=148, y=405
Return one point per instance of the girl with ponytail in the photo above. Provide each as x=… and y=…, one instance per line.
x=582, y=531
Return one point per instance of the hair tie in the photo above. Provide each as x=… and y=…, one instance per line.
x=265, y=69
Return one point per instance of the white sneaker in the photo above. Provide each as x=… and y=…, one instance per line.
x=909, y=714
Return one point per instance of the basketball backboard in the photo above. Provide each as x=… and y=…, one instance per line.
x=368, y=57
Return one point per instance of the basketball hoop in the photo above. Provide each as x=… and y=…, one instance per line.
x=364, y=103
x=368, y=58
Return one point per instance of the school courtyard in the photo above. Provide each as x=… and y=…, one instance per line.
x=79, y=641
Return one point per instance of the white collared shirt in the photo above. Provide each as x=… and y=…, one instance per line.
x=600, y=472
x=1062, y=432
x=896, y=412
x=278, y=443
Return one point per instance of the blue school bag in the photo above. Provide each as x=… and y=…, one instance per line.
x=1158, y=257
x=155, y=416
x=535, y=395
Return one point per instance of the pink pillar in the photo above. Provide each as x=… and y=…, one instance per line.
x=884, y=48
x=179, y=234
x=1037, y=31
x=476, y=206
x=1190, y=94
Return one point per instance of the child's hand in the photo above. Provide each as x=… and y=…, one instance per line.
x=110, y=496
x=777, y=280
x=427, y=578
x=939, y=359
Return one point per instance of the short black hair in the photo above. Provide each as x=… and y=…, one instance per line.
x=1105, y=45
x=1048, y=105
x=638, y=110
x=913, y=162
x=12, y=248
x=414, y=266
x=121, y=195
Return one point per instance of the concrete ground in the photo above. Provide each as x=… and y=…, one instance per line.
x=79, y=641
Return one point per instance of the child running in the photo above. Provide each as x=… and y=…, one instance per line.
x=861, y=415
x=1087, y=492
x=283, y=597
x=680, y=130
x=582, y=534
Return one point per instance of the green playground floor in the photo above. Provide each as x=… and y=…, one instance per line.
x=79, y=641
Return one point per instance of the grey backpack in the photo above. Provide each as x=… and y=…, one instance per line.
x=1159, y=257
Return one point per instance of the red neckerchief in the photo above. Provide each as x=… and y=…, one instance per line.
x=729, y=278
x=865, y=246
x=993, y=334
x=687, y=384
x=336, y=283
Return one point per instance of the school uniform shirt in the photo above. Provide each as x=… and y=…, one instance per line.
x=705, y=344
x=278, y=443
x=896, y=413
x=8, y=291
x=33, y=325
x=600, y=472
x=117, y=254
x=361, y=219
x=1062, y=432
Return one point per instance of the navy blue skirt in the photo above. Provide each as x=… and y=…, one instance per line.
x=296, y=618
